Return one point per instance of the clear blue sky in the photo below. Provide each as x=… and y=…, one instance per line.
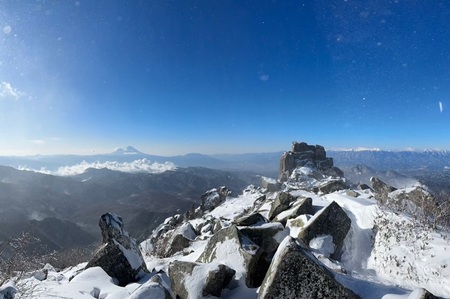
x=172, y=77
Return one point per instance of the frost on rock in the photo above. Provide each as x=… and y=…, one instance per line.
x=119, y=256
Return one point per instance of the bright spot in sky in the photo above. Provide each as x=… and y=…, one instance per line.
x=7, y=29
x=441, y=107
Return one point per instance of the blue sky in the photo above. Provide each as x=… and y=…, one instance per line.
x=173, y=77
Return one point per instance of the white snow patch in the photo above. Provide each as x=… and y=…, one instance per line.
x=323, y=244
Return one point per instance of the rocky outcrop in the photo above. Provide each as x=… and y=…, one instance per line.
x=381, y=188
x=310, y=156
x=229, y=242
x=333, y=221
x=213, y=198
x=295, y=273
x=119, y=256
x=194, y=280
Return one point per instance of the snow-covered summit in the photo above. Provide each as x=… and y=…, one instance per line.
x=351, y=243
x=129, y=150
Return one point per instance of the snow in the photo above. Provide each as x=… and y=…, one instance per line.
x=393, y=262
x=323, y=244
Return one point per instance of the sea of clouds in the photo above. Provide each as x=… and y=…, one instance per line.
x=140, y=165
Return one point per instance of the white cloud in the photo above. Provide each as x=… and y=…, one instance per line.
x=8, y=91
x=141, y=165
x=441, y=106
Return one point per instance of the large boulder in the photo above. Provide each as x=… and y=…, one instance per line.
x=282, y=202
x=295, y=273
x=181, y=238
x=252, y=219
x=332, y=186
x=267, y=236
x=234, y=249
x=153, y=289
x=119, y=256
x=194, y=280
x=333, y=221
x=301, y=206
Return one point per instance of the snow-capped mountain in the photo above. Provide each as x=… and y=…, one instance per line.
x=307, y=236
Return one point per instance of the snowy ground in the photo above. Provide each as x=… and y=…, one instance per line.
x=393, y=264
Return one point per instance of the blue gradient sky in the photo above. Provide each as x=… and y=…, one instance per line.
x=172, y=77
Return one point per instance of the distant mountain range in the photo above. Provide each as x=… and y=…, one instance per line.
x=261, y=163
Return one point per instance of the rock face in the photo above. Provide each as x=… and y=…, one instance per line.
x=332, y=221
x=311, y=156
x=194, y=280
x=119, y=256
x=295, y=273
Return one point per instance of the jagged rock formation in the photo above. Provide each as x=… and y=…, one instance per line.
x=210, y=280
x=119, y=256
x=310, y=156
x=295, y=273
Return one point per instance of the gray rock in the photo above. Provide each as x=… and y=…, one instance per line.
x=282, y=202
x=295, y=273
x=332, y=220
x=300, y=207
x=364, y=187
x=119, y=256
x=230, y=242
x=214, y=197
x=180, y=239
x=213, y=279
x=252, y=219
x=381, y=187
x=8, y=291
x=332, y=186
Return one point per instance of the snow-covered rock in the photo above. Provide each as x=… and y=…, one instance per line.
x=230, y=247
x=296, y=273
x=332, y=221
x=119, y=256
x=195, y=280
